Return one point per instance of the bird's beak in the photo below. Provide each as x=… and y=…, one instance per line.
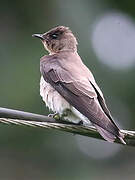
x=40, y=36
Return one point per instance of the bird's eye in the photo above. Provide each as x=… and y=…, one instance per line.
x=54, y=36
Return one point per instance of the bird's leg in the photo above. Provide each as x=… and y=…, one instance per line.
x=64, y=114
x=56, y=116
x=60, y=117
x=65, y=117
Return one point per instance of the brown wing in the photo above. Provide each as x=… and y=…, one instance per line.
x=80, y=98
x=103, y=104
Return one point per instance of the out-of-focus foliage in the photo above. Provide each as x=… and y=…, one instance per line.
x=27, y=153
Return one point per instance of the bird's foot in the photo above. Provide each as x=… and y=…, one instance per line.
x=59, y=118
x=56, y=116
x=65, y=117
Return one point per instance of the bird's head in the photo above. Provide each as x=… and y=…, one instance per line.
x=58, y=39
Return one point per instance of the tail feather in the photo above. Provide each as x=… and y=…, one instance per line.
x=109, y=136
x=121, y=136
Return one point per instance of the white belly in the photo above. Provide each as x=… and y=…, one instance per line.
x=57, y=103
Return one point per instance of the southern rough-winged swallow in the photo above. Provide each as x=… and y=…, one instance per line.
x=68, y=87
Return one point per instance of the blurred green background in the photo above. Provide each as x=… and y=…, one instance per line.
x=106, y=35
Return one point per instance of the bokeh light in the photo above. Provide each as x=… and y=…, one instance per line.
x=113, y=40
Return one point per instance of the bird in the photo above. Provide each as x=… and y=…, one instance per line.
x=68, y=87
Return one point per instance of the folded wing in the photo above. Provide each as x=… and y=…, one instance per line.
x=83, y=96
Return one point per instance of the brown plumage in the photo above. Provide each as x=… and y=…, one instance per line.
x=67, y=83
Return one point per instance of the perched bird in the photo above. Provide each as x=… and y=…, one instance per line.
x=68, y=87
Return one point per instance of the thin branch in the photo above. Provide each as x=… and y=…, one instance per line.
x=9, y=116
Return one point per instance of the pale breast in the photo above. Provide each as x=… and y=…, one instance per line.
x=57, y=103
x=52, y=98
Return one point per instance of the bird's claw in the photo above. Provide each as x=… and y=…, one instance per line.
x=55, y=116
